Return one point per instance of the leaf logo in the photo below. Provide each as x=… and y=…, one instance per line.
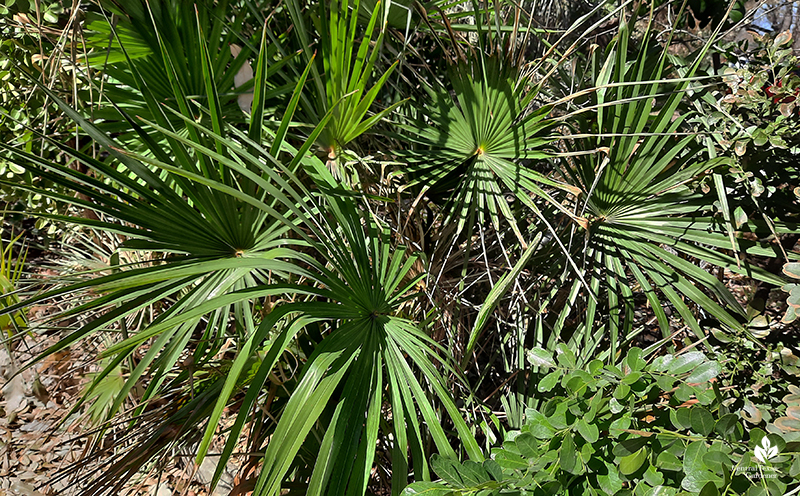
x=766, y=451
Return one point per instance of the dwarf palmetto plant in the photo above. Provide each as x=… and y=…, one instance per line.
x=159, y=39
x=487, y=125
x=370, y=357
x=235, y=227
x=476, y=142
x=349, y=57
x=479, y=136
x=478, y=145
x=482, y=142
x=648, y=218
x=257, y=248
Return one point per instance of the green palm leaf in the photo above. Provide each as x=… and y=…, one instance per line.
x=149, y=49
x=647, y=218
x=342, y=84
x=478, y=145
x=369, y=343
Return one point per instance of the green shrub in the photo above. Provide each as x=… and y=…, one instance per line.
x=663, y=427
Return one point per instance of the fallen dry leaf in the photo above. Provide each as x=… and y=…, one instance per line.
x=14, y=395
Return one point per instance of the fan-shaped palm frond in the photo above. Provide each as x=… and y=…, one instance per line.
x=348, y=62
x=648, y=218
x=482, y=135
x=149, y=52
x=370, y=357
x=215, y=212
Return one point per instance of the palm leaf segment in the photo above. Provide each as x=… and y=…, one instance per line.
x=646, y=222
x=478, y=140
x=216, y=246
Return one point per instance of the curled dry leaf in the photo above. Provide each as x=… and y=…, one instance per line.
x=40, y=391
x=751, y=413
x=787, y=424
x=14, y=395
x=782, y=39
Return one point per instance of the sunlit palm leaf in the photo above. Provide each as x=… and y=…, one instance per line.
x=149, y=48
x=369, y=342
x=648, y=218
x=477, y=146
x=349, y=57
